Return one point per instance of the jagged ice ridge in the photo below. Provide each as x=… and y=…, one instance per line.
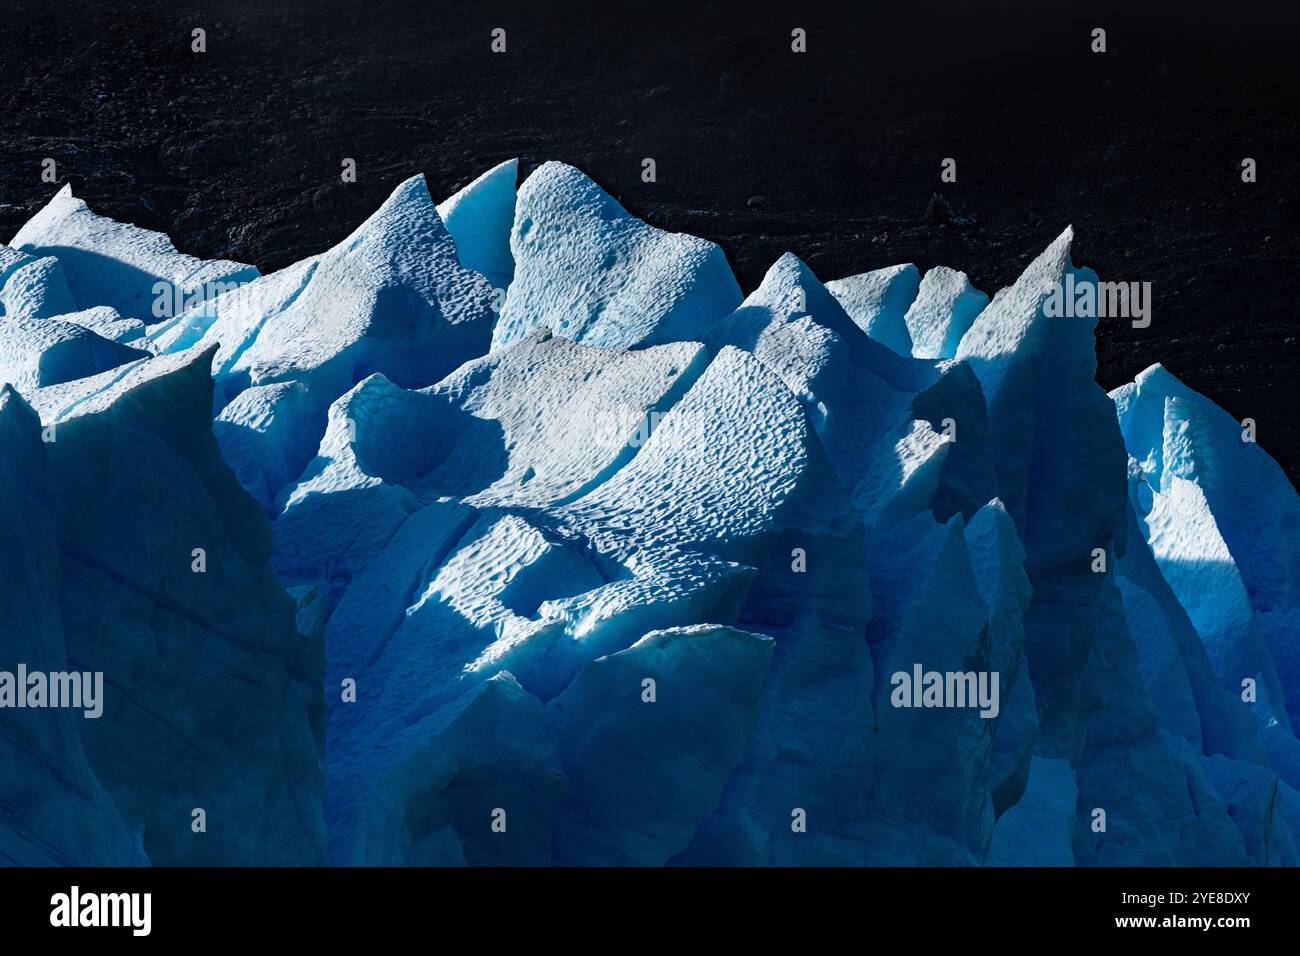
x=510, y=531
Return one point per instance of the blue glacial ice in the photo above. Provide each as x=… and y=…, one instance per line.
x=945, y=306
x=878, y=302
x=510, y=531
x=480, y=217
x=391, y=298
x=212, y=697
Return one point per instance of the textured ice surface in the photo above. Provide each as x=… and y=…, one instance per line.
x=39, y=352
x=880, y=417
x=878, y=302
x=532, y=426
x=945, y=307
x=626, y=573
x=32, y=287
x=117, y=264
x=392, y=298
x=589, y=271
x=108, y=322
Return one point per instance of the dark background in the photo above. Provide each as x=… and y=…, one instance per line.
x=834, y=154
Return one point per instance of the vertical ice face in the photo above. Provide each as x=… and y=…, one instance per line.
x=212, y=699
x=1196, y=562
x=477, y=782
x=1060, y=471
x=118, y=264
x=1196, y=461
x=589, y=271
x=997, y=561
x=638, y=748
x=53, y=809
x=479, y=217
x=1040, y=828
x=1159, y=808
x=928, y=612
x=1210, y=724
x=1216, y=512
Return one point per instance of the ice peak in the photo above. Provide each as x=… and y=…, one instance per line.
x=878, y=301
x=1157, y=374
x=479, y=217
x=592, y=272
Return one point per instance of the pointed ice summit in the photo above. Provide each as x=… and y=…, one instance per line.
x=479, y=217
x=390, y=298
x=509, y=531
x=587, y=270
x=118, y=264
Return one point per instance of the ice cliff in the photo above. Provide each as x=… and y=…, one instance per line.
x=510, y=531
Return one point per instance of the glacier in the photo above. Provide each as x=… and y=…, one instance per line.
x=510, y=530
